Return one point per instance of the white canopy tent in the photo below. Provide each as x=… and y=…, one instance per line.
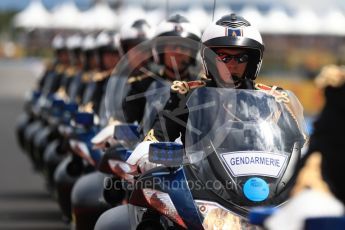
x=305, y=21
x=333, y=23
x=220, y=11
x=253, y=15
x=276, y=21
x=66, y=16
x=155, y=16
x=130, y=14
x=34, y=16
x=99, y=17
x=199, y=17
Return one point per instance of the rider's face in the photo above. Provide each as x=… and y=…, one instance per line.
x=137, y=57
x=177, y=57
x=63, y=57
x=230, y=62
x=110, y=59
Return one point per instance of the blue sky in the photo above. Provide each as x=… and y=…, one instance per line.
x=84, y=4
x=21, y=4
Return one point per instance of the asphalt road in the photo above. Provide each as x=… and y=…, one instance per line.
x=25, y=204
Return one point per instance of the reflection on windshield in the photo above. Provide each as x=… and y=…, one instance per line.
x=240, y=120
x=157, y=96
x=117, y=89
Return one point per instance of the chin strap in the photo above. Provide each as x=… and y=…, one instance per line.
x=243, y=83
x=247, y=84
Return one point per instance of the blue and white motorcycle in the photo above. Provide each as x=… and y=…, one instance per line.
x=241, y=151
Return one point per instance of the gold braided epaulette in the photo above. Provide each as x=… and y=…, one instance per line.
x=331, y=75
x=61, y=92
x=150, y=136
x=310, y=176
x=138, y=78
x=100, y=76
x=183, y=87
x=280, y=96
x=87, y=77
x=70, y=71
x=59, y=69
x=88, y=108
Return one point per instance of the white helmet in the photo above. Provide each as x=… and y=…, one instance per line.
x=59, y=42
x=107, y=41
x=74, y=42
x=133, y=33
x=179, y=28
x=74, y=45
x=178, y=25
x=89, y=51
x=89, y=43
x=233, y=31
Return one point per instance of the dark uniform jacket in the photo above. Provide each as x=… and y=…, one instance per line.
x=134, y=104
x=328, y=138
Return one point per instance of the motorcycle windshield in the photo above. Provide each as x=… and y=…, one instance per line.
x=76, y=87
x=117, y=89
x=156, y=96
x=246, y=141
x=103, y=120
x=89, y=92
x=51, y=83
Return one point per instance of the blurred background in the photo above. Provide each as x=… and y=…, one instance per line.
x=301, y=36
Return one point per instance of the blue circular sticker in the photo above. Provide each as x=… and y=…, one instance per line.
x=256, y=189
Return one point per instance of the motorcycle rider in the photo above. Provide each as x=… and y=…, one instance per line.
x=63, y=179
x=48, y=85
x=131, y=35
x=62, y=62
x=87, y=194
x=50, y=132
x=86, y=198
x=61, y=58
x=173, y=58
x=138, y=60
x=68, y=91
x=176, y=60
x=107, y=55
x=232, y=54
x=31, y=106
x=231, y=60
x=73, y=44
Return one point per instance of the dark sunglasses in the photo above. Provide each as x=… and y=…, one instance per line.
x=239, y=58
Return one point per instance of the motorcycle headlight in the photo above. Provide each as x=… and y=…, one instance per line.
x=216, y=217
x=162, y=203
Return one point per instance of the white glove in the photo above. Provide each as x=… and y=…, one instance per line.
x=140, y=157
x=139, y=152
x=103, y=135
